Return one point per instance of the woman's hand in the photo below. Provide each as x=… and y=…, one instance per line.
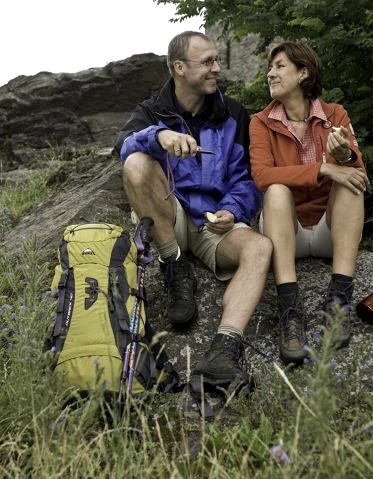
x=352, y=178
x=339, y=144
x=223, y=222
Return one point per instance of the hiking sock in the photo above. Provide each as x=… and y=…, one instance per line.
x=168, y=250
x=341, y=287
x=340, y=282
x=287, y=294
x=230, y=331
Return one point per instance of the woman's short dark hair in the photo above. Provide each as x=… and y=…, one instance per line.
x=302, y=55
x=179, y=45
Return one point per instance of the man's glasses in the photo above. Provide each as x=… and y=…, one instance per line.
x=205, y=63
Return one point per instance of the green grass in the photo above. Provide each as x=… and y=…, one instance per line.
x=17, y=200
x=312, y=422
x=299, y=423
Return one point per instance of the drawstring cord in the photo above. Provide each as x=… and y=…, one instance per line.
x=170, y=178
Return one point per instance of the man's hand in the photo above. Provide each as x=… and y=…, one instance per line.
x=177, y=144
x=223, y=221
x=352, y=178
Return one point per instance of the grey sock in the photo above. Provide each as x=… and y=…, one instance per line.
x=168, y=249
x=230, y=331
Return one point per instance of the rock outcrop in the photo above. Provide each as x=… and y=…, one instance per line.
x=84, y=108
x=84, y=111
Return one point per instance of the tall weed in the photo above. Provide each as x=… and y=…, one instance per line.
x=310, y=422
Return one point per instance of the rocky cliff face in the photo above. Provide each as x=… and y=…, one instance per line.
x=84, y=108
x=81, y=114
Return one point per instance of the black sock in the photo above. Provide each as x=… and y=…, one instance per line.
x=340, y=283
x=287, y=295
x=287, y=288
x=341, y=279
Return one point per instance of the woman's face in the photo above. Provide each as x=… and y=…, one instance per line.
x=284, y=77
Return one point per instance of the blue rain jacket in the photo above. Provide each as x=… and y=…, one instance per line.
x=203, y=182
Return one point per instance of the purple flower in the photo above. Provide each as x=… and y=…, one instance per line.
x=333, y=363
x=318, y=336
x=279, y=454
x=276, y=450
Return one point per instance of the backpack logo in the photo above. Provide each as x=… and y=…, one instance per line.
x=91, y=291
x=88, y=251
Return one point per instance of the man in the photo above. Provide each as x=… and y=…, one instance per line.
x=169, y=177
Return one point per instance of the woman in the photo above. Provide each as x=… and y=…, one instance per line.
x=305, y=157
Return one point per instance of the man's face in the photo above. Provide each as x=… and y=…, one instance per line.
x=200, y=67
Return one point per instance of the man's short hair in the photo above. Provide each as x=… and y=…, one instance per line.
x=179, y=45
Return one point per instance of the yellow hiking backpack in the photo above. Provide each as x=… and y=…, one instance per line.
x=101, y=335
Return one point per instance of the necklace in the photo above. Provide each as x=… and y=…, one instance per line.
x=299, y=121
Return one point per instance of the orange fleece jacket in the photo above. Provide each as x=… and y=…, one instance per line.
x=274, y=159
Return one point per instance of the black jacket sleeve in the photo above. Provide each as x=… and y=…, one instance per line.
x=140, y=119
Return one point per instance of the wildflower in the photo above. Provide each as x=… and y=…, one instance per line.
x=278, y=453
x=63, y=419
x=276, y=450
x=317, y=336
x=96, y=362
x=333, y=363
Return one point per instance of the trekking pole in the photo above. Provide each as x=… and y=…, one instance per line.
x=144, y=257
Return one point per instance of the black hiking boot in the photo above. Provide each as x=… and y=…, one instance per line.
x=220, y=365
x=292, y=330
x=338, y=304
x=181, y=286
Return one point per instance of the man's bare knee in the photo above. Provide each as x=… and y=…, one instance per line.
x=260, y=247
x=255, y=248
x=139, y=169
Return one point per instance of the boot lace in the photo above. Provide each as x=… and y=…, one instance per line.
x=234, y=352
x=291, y=323
x=178, y=279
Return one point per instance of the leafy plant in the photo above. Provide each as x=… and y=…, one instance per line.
x=340, y=33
